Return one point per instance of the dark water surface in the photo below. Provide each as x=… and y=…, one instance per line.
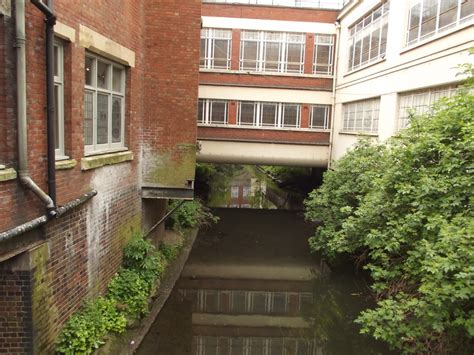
x=251, y=287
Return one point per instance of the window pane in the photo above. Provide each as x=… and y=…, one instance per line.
x=203, y=52
x=218, y=112
x=290, y=116
x=279, y=303
x=361, y=116
x=247, y=113
x=428, y=18
x=56, y=59
x=56, y=116
x=249, y=60
x=201, y=111
x=237, y=346
x=259, y=302
x=319, y=117
x=272, y=51
x=295, y=58
x=88, y=118
x=89, y=69
x=414, y=22
x=117, y=79
x=102, y=75
x=467, y=8
x=238, y=297
x=116, y=119
x=221, y=48
x=268, y=114
x=102, y=118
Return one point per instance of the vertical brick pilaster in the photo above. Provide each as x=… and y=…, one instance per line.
x=235, y=49
x=232, y=112
x=309, y=53
x=305, y=115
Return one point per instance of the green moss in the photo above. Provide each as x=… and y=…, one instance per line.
x=97, y=161
x=172, y=169
x=45, y=313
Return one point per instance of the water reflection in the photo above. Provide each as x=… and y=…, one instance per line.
x=251, y=287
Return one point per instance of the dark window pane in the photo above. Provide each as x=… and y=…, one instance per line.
x=88, y=118
x=116, y=119
x=272, y=51
x=102, y=118
x=201, y=111
x=102, y=75
x=249, y=55
x=247, y=113
x=56, y=116
x=268, y=114
x=221, y=48
x=89, y=70
x=290, y=118
x=218, y=112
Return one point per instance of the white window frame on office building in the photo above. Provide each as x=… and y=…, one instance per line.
x=323, y=61
x=262, y=114
x=361, y=116
x=212, y=39
x=420, y=102
x=427, y=18
x=59, y=100
x=320, y=117
x=368, y=38
x=112, y=88
x=213, y=112
x=282, y=44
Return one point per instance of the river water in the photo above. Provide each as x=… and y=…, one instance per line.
x=252, y=287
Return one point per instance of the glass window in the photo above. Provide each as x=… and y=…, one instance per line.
x=420, y=102
x=213, y=112
x=430, y=17
x=272, y=51
x=368, y=38
x=59, y=99
x=291, y=115
x=323, y=54
x=104, y=101
x=247, y=113
x=216, y=46
x=272, y=114
x=320, y=117
x=361, y=116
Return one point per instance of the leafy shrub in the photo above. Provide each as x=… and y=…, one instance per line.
x=189, y=215
x=86, y=329
x=169, y=252
x=130, y=291
x=405, y=210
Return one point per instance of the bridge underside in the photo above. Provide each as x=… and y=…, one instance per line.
x=263, y=153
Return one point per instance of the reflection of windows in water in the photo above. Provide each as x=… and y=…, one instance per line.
x=209, y=301
x=245, y=205
x=259, y=302
x=238, y=302
x=234, y=192
x=205, y=345
x=306, y=300
x=279, y=303
x=233, y=205
x=246, y=191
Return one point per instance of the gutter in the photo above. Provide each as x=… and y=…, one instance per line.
x=24, y=175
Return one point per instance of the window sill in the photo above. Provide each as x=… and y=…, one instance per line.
x=97, y=161
x=7, y=174
x=361, y=134
x=65, y=164
x=368, y=65
x=268, y=128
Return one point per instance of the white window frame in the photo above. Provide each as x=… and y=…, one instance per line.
x=206, y=118
x=323, y=41
x=279, y=121
x=420, y=102
x=375, y=21
x=96, y=148
x=59, y=85
x=210, y=35
x=283, y=39
x=437, y=29
x=357, y=111
x=326, y=120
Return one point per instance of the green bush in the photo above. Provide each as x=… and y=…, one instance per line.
x=85, y=330
x=404, y=209
x=127, y=296
x=189, y=215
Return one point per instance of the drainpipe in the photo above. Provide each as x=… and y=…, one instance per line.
x=23, y=172
x=50, y=21
x=334, y=82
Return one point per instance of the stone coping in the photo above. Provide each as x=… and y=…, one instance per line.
x=7, y=174
x=65, y=164
x=97, y=161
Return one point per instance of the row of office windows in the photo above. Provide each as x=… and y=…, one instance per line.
x=264, y=51
x=104, y=103
x=262, y=114
x=363, y=116
x=426, y=18
x=317, y=4
x=209, y=345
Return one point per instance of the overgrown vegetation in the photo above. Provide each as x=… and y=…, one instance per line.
x=189, y=215
x=404, y=210
x=127, y=298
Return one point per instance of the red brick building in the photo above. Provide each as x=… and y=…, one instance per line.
x=125, y=94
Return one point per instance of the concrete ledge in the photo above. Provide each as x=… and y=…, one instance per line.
x=65, y=32
x=65, y=164
x=96, y=161
x=7, y=174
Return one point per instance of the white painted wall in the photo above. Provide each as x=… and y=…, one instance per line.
x=430, y=63
x=268, y=25
x=265, y=94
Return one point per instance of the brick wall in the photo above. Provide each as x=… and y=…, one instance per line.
x=74, y=257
